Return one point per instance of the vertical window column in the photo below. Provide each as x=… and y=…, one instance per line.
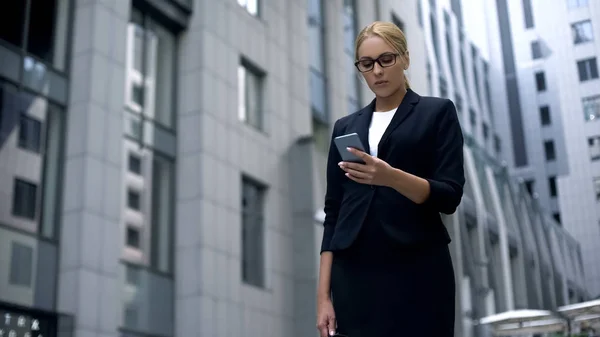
x=253, y=233
x=349, y=22
x=149, y=152
x=317, y=76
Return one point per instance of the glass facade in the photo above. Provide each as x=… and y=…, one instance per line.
x=33, y=88
x=148, y=161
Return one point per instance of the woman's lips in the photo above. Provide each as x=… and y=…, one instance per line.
x=381, y=82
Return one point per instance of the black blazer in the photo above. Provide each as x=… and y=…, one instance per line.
x=424, y=138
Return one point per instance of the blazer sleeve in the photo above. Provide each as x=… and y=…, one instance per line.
x=448, y=177
x=334, y=191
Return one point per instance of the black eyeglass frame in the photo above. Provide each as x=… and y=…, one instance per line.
x=373, y=66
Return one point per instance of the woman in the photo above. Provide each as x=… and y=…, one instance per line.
x=385, y=264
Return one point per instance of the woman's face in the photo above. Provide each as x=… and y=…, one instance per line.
x=383, y=80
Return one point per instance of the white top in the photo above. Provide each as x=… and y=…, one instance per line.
x=379, y=124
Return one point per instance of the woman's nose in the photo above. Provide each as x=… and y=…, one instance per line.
x=377, y=69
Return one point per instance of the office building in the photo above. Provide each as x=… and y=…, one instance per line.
x=162, y=164
x=550, y=53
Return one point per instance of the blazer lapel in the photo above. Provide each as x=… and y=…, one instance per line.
x=408, y=102
x=363, y=123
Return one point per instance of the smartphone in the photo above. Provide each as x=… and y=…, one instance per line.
x=346, y=141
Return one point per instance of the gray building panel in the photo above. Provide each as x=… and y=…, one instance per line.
x=516, y=118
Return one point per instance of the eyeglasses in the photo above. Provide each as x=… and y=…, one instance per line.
x=384, y=60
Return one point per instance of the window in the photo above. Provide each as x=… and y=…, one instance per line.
x=497, y=144
x=429, y=77
x=30, y=195
x=488, y=91
x=582, y=32
x=549, y=150
x=556, y=217
x=443, y=87
x=250, y=5
x=449, y=45
x=475, y=71
x=250, y=95
x=134, y=200
x=135, y=164
x=540, y=81
x=545, y=115
x=597, y=187
x=30, y=134
x=434, y=37
x=420, y=13
x=552, y=186
x=463, y=67
x=529, y=185
x=253, y=217
x=21, y=265
x=536, y=50
x=591, y=107
x=528, y=14
x=24, y=199
x=459, y=103
x=150, y=70
x=486, y=131
x=594, y=145
x=133, y=237
x=588, y=69
x=44, y=22
x=576, y=3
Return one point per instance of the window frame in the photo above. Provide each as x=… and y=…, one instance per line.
x=260, y=190
x=545, y=116
x=549, y=150
x=587, y=68
x=591, y=103
x=594, y=147
x=144, y=20
x=31, y=121
x=259, y=76
x=21, y=181
x=579, y=23
x=540, y=81
x=552, y=187
x=536, y=50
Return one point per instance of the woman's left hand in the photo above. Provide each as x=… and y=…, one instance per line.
x=373, y=172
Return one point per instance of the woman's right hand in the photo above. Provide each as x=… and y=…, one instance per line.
x=326, y=323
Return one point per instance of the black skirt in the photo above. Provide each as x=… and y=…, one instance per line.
x=382, y=289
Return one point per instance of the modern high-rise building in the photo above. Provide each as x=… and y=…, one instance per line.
x=162, y=163
x=550, y=51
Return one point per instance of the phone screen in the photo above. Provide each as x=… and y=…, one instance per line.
x=350, y=140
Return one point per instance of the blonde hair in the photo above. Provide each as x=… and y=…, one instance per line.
x=390, y=33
